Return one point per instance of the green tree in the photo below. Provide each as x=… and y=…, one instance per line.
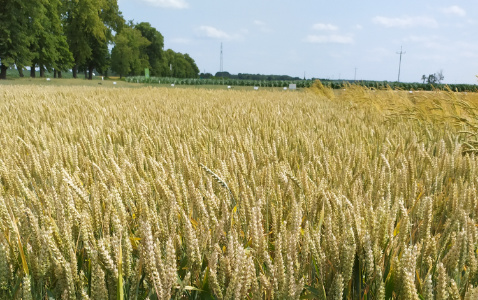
x=178, y=65
x=155, y=50
x=112, y=21
x=89, y=25
x=127, y=57
x=167, y=62
x=121, y=55
x=193, y=70
x=49, y=46
x=14, y=38
x=82, y=24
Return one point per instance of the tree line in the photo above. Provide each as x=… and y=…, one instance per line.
x=63, y=35
x=245, y=76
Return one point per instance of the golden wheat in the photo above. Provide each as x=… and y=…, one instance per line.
x=171, y=193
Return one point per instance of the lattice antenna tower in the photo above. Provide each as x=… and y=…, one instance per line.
x=221, y=67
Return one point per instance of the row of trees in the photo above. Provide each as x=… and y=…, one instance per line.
x=59, y=35
x=140, y=46
x=333, y=84
x=246, y=76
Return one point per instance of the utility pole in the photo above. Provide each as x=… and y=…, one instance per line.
x=400, y=63
x=355, y=74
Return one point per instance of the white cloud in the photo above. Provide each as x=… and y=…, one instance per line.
x=358, y=27
x=327, y=39
x=405, y=22
x=321, y=26
x=212, y=32
x=454, y=10
x=178, y=4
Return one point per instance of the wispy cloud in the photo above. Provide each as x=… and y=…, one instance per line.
x=328, y=27
x=329, y=39
x=212, y=32
x=406, y=22
x=177, y=4
x=454, y=10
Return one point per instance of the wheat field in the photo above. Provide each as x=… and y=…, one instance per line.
x=158, y=193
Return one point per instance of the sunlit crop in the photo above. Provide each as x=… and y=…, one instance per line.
x=175, y=193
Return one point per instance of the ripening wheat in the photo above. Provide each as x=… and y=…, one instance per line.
x=162, y=193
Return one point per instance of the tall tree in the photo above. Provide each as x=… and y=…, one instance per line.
x=128, y=54
x=121, y=55
x=193, y=70
x=89, y=25
x=112, y=21
x=180, y=66
x=82, y=24
x=49, y=45
x=439, y=76
x=167, y=63
x=175, y=64
x=14, y=38
x=155, y=50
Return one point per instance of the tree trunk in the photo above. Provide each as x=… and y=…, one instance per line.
x=55, y=73
x=42, y=72
x=86, y=73
x=32, y=71
x=59, y=74
x=20, y=72
x=75, y=72
x=90, y=71
x=3, y=73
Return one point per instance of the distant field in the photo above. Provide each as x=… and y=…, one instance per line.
x=119, y=83
x=65, y=82
x=170, y=193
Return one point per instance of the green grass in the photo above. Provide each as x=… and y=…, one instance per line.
x=66, y=82
x=13, y=74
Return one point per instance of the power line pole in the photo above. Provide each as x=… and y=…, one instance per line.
x=221, y=63
x=355, y=74
x=400, y=63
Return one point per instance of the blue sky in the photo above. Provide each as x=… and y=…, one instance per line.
x=324, y=39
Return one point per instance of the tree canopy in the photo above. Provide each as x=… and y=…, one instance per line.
x=140, y=46
x=154, y=51
x=127, y=57
x=14, y=36
x=78, y=34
